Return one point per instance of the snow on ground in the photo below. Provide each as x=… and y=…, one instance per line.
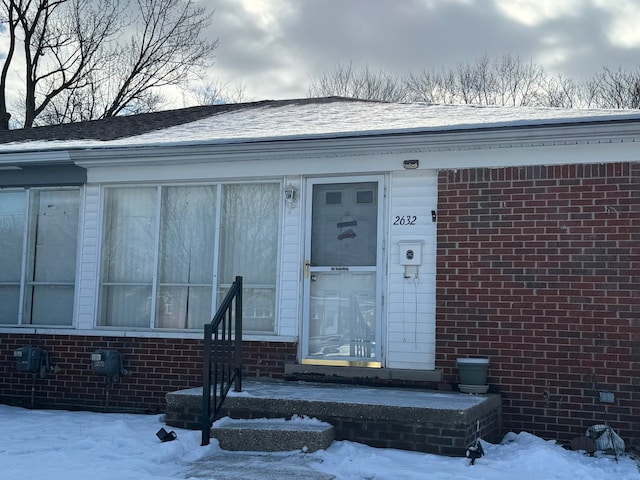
x=61, y=445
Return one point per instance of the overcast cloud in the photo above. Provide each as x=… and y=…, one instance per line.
x=274, y=47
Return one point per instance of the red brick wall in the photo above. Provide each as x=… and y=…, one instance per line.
x=155, y=365
x=539, y=269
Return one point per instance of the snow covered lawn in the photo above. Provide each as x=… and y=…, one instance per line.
x=60, y=445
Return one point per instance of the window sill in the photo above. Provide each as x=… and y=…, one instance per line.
x=134, y=333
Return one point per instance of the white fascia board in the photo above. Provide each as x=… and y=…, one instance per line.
x=535, y=155
x=620, y=137
x=237, y=170
x=35, y=157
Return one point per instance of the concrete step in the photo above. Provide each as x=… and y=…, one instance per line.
x=272, y=434
x=227, y=465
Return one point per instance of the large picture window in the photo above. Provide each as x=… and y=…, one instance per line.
x=38, y=246
x=167, y=249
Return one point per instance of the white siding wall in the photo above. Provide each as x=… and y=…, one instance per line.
x=87, y=281
x=409, y=336
x=291, y=258
x=410, y=341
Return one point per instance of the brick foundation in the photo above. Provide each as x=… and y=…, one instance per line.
x=537, y=268
x=156, y=366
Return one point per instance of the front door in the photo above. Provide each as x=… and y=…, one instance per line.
x=342, y=274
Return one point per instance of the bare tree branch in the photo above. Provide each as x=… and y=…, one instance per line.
x=507, y=81
x=167, y=51
x=76, y=67
x=363, y=83
x=561, y=92
x=12, y=23
x=216, y=92
x=614, y=89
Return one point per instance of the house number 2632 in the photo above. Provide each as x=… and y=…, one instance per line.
x=405, y=220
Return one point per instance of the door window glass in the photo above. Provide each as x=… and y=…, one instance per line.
x=344, y=233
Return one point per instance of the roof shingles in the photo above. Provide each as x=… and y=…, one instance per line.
x=113, y=128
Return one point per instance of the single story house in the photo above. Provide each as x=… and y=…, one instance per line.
x=378, y=242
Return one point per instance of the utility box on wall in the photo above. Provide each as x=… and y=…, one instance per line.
x=107, y=362
x=410, y=252
x=31, y=360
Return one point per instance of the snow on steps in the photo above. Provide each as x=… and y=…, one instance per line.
x=272, y=434
x=443, y=423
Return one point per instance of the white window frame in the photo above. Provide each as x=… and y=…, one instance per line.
x=216, y=254
x=28, y=249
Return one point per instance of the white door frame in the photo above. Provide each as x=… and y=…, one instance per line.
x=308, y=270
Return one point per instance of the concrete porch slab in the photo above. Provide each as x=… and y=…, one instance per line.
x=422, y=420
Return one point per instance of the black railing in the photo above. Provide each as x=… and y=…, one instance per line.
x=222, y=357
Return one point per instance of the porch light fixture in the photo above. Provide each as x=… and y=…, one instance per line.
x=411, y=164
x=290, y=195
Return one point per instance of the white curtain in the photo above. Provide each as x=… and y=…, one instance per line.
x=128, y=256
x=187, y=234
x=249, y=247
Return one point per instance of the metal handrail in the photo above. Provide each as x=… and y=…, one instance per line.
x=222, y=357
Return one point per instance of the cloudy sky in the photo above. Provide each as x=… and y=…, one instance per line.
x=274, y=47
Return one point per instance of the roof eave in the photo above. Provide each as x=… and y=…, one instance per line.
x=619, y=131
x=33, y=158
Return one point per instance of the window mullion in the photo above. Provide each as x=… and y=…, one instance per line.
x=156, y=257
x=216, y=251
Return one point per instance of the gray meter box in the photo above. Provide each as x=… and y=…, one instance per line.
x=30, y=359
x=107, y=362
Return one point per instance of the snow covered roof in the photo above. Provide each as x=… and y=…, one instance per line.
x=270, y=121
